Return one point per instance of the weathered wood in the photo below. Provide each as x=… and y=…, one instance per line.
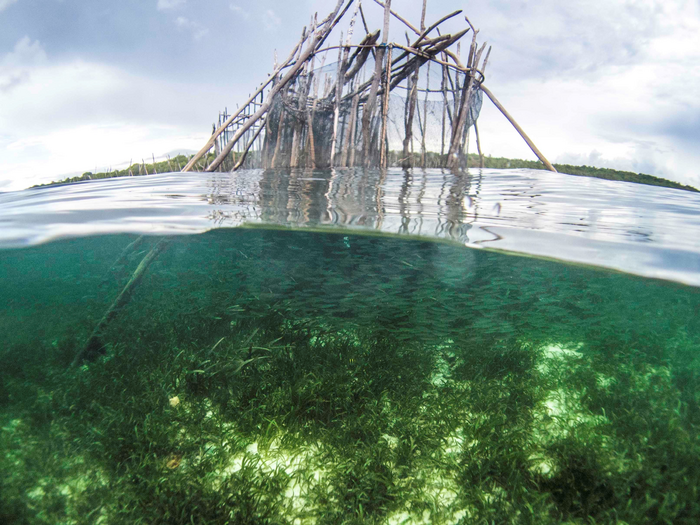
x=423, y=151
x=426, y=32
x=459, y=124
x=340, y=82
x=260, y=89
x=362, y=55
x=311, y=163
x=478, y=146
x=350, y=144
x=400, y=18
x=299, y=125
x=371, y=99
x=520, y=130
x=248, y=146
x=385, y=111
x=317, y=40
x=94, y=345
x=278, y=143
x=364, y=23
x=426, y=55
x=409, y=112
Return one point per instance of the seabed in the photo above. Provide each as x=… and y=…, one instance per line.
x=280, y=377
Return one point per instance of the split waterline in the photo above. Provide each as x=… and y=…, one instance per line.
x=349, y=359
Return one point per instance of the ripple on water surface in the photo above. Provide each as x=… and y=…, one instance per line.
x=645, y=230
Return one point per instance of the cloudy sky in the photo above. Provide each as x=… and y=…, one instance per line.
x=88, y=84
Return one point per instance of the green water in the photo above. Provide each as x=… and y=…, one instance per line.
x=260, y=376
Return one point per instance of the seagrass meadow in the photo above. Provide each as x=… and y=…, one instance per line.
x=274, y=376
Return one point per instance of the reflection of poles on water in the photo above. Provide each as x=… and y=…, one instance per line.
x=95, y=345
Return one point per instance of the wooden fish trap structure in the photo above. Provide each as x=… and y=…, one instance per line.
x=370, y=104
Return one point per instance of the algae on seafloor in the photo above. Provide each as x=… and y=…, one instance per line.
x=334, y=378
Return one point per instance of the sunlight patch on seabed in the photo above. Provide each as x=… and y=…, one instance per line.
x=308, y=465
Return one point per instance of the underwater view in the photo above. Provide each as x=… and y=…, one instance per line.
x=333, y=348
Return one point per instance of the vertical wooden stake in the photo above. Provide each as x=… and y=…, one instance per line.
x=278, y=144
x=423, y=152
x=339, y=81
x=372, y=99
x=353, y=129
x=412, y=98
x=478, y=146
x=385, y=111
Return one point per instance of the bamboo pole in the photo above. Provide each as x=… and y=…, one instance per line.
x=478, y=146
x=383, y=161
x=336, y=106
x=371, y=100
x=409, y=114
x=361, y=54
x=299, y=124
x=400, y=18
x=364, y=23
x=425, y=119
x=317, y=40
x=312, y=115
x=278, y=143
x=353, y=128
x=340, y=82
x=518, y=128
x=94, y=345
x=248, y=146
x=460, y=130
x=260, y=89
x=426, y=32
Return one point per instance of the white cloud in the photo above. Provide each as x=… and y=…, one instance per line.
x=198, y=30
x=15, y=66
x=4, y=4
x=239, y=11
x=271, y=20
x=25, y=53
x=74, y=116
x=631, y=107
x=164, y=5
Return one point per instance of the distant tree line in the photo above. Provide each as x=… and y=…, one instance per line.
x=431, y=160
x=583, y=171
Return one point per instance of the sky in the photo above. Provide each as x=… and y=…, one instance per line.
x=91, y=85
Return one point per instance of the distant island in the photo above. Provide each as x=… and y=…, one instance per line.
x=583, y=171
x=176, y=163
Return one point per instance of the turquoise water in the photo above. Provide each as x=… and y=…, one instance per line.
x=364, y=366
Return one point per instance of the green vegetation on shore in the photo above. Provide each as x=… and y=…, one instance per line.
x=167, y=166
x=583, y=171
x=176, y=163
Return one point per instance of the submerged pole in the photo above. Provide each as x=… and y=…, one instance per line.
x=94, y=344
